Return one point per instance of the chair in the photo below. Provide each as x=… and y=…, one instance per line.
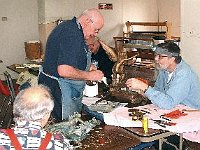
x=10, y=85
x=4, y=89
x=6, y=109
x=9, y=92
x=9, y=89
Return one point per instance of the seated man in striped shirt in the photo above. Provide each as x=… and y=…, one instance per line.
x=32, y=108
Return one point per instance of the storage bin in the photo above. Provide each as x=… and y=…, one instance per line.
x=33, y=49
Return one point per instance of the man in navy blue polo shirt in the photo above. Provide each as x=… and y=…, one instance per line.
x=67, y=62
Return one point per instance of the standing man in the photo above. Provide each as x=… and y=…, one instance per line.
x=67, y=62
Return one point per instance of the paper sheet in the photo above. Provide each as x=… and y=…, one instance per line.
x=188, y=123
x=90, y=100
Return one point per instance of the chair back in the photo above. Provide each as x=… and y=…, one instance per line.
x=8, y=93
x=4, y=89
x=10, y=85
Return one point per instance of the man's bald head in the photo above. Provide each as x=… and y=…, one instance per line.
x=91, y=21
x=33, y=103
x=35, y=94
x=95, y=15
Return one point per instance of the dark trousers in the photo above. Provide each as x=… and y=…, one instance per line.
x=53, y=85
x=173, y=139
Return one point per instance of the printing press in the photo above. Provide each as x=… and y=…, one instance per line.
x=135, y=59
x=131, y=63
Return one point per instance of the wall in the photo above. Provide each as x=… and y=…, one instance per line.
x=66, y=9
x=126, y=10
x=41, y=11
x=21, y=26
x=190, y=33
x=153, y=11
x=140, y=10
x=169, y=10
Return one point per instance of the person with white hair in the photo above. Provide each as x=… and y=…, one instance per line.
x=31, y=109
x=176, y=84
x=67, y=62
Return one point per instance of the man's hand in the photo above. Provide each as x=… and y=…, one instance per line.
x=95, y=75
x=93, y=67
x=136, y=84
x=70, y=72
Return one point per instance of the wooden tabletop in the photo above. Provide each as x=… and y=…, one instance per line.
x=151, y=135
x=108, y=137
x=16, y=68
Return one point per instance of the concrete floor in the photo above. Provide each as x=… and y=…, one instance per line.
x=193, y=145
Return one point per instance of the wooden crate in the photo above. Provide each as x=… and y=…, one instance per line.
x=33, y=50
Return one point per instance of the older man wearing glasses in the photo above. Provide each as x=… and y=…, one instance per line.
x=67, y=62
x=176, y=82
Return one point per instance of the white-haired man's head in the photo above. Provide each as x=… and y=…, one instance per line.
x=91, y=21
x=33, y=104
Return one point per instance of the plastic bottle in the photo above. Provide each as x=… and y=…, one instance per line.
x=145, y=124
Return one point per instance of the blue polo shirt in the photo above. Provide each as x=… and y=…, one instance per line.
x=65, y=46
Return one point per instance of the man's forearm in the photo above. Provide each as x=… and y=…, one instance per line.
x=72, y=73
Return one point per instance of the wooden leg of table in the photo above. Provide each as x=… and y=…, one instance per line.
x=181, y=141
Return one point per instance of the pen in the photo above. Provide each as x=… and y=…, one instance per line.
x=159, y=122
x=163, y=117
x=161, y=125
x=145, y=111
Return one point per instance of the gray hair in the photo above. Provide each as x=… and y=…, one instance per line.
x=33, y=103
x=92, y=14
x=88, y=12
x=169, y=48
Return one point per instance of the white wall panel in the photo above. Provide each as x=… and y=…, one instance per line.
x=190, y=33
x=21, y=26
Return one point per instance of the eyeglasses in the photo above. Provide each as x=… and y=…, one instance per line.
x=96, y=30
x=160, y=56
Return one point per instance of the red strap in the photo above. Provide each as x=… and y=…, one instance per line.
x=17, y=145
x=45, y=141
x=13, y=139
